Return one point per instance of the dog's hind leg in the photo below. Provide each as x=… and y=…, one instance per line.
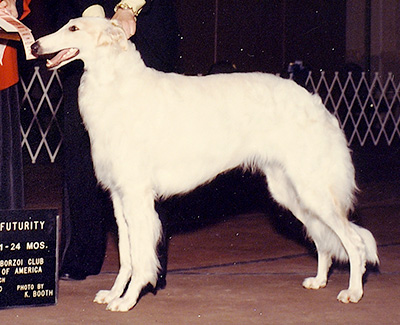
x=355, y=248
x=144, y=231
x=321, y=279
x=330, y=228
x=333, y=235
x=125, y=270
x=329, y=245
x=283, y=191
x=322, y=237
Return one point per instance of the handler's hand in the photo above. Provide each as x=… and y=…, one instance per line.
x=10, y=6
x=127, y=20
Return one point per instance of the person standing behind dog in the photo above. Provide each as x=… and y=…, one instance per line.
x=11, y=169
x=87, y=209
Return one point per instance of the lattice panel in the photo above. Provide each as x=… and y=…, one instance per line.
x=368, y=109
x=40, y=115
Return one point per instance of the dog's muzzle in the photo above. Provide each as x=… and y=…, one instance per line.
x=58, y=58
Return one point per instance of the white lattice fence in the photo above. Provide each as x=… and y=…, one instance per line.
x=368, y=110
x=40, y=110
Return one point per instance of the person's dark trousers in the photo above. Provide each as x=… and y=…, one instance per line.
x=11, y=166
x=87, y=209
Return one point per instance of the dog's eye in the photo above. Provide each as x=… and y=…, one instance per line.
x=73, y=28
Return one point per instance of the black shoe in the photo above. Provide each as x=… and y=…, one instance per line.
x=161, y=282
x=72, y=276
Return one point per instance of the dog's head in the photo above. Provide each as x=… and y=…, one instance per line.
x=79, y=39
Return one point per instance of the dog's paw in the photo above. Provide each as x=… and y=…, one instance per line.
x=121, y=304
x=104, y=297
x=349, y=295
x=314, y=283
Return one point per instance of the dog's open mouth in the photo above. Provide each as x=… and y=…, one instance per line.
x=62, y=56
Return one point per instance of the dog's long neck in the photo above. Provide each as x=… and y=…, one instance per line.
x=110, y=75
x=111, y=62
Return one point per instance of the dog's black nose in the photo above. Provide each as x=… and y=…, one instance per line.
x=35, y=48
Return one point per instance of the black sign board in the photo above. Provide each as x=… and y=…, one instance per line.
x=28, y=257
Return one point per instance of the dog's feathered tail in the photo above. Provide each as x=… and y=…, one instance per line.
x=369, y=242
x=329, y=242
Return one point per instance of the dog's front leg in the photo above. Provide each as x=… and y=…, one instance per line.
x=144, y=231
x=125, y=271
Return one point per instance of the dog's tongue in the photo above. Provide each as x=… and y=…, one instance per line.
x=61, y=56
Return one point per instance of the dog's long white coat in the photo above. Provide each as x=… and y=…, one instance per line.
x=156, y=134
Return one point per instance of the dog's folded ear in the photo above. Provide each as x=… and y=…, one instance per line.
x=114, y=34
x=94, y=11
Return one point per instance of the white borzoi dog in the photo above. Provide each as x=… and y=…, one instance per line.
x=155, y=134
